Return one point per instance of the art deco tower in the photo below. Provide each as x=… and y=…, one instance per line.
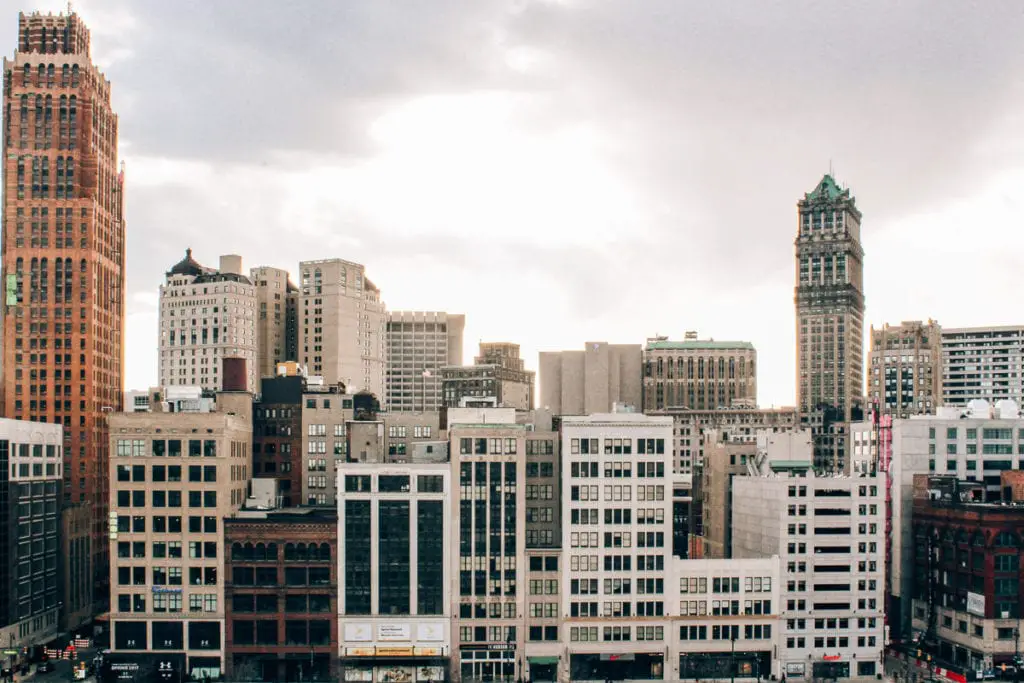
x=829, y=319
x=63, y=254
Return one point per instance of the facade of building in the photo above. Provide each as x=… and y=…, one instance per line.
x=31, y=476
x=967, y=569
x=281, y=595
x=497, y=378
x=326, y=415
x=415, y=437
x=617, y=546
x=206, y=315
x=419, y=345
x=489, y=605
x=829, y=318
x=733, y=424
x=341, y=325
x=728, y=624
x=175, y=476
x=828, y=534
x=723, y=460
x=64, y=236
x=591, y=381
x=982, y=363
x=906, y=368
x=277, y=436
x=699, y=374
x=277, y=323
x=395, y=536
x=976, y=444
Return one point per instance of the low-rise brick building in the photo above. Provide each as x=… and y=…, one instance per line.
x=281, y=593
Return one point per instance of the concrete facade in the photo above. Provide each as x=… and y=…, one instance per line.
x=828, y=534
x=206, y=315
x=592, y=380
x=734, y=424
x=829, y=298
x=342, y=325
x=488, y=610
x=498, y=378
x=982, y=363
x=326, y=419
x=419, y=345
x=277, y=305
x=906, y=368
x=174, y=478
x=617, y=479
x=699, y=374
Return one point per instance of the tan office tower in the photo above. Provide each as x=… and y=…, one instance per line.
x=63, y=253
x=341, y=326
x=829, y=301
x=699, y=374
x=592, y=380
x=277, y=304
x=419, y=344
x=905, y=376
x=206, y=315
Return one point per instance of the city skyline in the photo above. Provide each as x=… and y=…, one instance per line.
x=695, y=186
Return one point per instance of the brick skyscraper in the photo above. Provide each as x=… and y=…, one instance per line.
x=63, y=255
x=829, y=319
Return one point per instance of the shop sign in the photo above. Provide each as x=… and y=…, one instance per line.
x=393, y=632
x=427, y=651
x=795, y=669
x=394, y=652
x=360, y=652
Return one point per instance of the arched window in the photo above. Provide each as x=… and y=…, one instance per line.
x=74, y=76
x=271, y=552
x=65, y=76
x=325, y=552
x=237, y=553
x=689, y=368
x=26, y=75
x=50, y=73
x=732, y=368
x=289, y=552
x=259, y=553
x=313, y=552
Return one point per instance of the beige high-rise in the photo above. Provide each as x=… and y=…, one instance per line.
x=419, y=345
x=174, y=477
x=906, y=368
x=341, y=325
x=700, y=374
x=206, y=315
x=277, y=304
x=592, y=380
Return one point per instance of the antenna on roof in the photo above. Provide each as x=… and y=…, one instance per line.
x=830, y=171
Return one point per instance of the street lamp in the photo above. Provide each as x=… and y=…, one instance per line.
x=732, y=656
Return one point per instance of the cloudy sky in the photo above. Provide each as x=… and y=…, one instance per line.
x=573, y=170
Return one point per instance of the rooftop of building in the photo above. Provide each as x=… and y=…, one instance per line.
x=293, y=515
x=192, y=268
x=698, y=345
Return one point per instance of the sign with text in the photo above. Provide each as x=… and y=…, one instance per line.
x=393, y=632
x=976, y=604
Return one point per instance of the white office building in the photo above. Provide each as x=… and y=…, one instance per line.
x=206, y=315
x=394, y=585
x=617, y=545
x=982, y=363
x=828, y=534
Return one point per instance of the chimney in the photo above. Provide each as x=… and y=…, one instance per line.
x=234, y=375
x=231, y=263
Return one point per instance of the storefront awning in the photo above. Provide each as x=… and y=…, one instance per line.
x=543, y=660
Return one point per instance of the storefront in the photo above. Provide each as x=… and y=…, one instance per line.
x=488, y=663
x=542, y=669
x=729, y=665
x=394, y=665
x=617, y=666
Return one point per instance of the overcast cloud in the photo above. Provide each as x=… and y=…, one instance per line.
x=565, y=171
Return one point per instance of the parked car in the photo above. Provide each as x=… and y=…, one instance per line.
x=45, y=668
